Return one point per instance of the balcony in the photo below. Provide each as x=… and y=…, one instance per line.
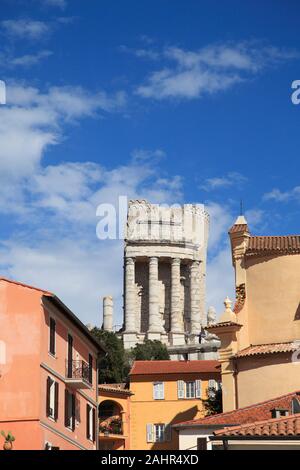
x=78, y=374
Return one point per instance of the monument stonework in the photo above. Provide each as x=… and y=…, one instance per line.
x=164, y=278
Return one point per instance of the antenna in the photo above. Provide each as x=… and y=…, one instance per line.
x=241, y=207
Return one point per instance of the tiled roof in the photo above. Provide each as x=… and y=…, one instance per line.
x=239, y=228
x=174, y=367
x=280, y=244
x=284, y=426
x=222, y=324
x=249, y=414
x=268, y=349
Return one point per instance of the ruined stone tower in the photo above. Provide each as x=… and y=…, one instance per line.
x=164, y=276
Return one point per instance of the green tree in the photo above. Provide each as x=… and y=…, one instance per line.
x=213, y=405
x=114, y=366
x=150, y=351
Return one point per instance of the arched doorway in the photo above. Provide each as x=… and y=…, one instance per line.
x=110, y=425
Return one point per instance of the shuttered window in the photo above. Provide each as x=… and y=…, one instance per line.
x=52, y=336
x=52, y=399
x=90, y=423
x=150, y=432
x=158, y=391
x=69, y=410
x=198, y=388
x=180, y=389
x=90, y=369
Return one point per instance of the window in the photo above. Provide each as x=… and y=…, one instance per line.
x=70, y=356
x=52, y=336
x=158, y=391
x=52, y=399
x=189, y=390
x=90, y=369
x=69, y=410
x=159, y=432
x=90, y=423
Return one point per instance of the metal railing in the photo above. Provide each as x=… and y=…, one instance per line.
x=78, y=369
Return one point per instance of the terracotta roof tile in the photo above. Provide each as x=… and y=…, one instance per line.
x=268, y=349
x=174, y=367
x=249, y=414
x=278, y=244
x=222, y=324
x=239, y=228
x=284, y=426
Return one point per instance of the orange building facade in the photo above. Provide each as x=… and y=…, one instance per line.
x=166, y=393
x=48, y=372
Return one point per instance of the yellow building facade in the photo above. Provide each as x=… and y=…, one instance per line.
x=165, y=393
x=260, y=350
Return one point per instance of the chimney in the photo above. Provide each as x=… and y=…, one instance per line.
x=108, y=312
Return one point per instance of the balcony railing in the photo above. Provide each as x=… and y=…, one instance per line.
x=78, y=373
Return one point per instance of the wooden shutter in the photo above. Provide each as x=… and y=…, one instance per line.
x=198, y=388
x=168, y=433
x=49, y=380
x=70, y=356
x=94, y=424
x=180, y=389
x=90, y=369
x=52, y=336
x=73, y=411
x=150, y=433
x=67, y=418
x=88, y=421
x=56, y=389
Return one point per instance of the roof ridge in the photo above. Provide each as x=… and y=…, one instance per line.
x=269, y=421
x=249, y=407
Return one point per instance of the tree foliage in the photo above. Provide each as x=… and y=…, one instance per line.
x=114, y=366
x=150, y=351
x=213, y=405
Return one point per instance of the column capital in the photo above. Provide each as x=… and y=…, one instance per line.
x=175, y=261
x=129, y=260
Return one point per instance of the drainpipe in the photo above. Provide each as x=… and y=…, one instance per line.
x=235, y=375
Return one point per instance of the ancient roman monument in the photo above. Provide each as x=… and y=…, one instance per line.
x=164, y=278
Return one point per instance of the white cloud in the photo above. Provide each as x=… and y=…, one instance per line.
x=32, y=121
x=26, y=60
x=25, y=28
x=226, y=181
x=283, y=196
x=191, y=74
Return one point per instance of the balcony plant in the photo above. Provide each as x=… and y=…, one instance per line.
x=9, y=439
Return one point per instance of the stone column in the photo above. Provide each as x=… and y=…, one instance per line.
x=108, y=309
x=130, y=304
x=195, y=297
x=176, y=321
x=154, y=316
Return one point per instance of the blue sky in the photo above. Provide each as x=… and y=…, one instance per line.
x=170, y=101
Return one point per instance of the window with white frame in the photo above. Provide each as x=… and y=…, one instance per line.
x=158, y=391
x=52, y=399
x=189, y=390
x=159, y=432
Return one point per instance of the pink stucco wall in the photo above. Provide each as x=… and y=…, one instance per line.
x=25, y=364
